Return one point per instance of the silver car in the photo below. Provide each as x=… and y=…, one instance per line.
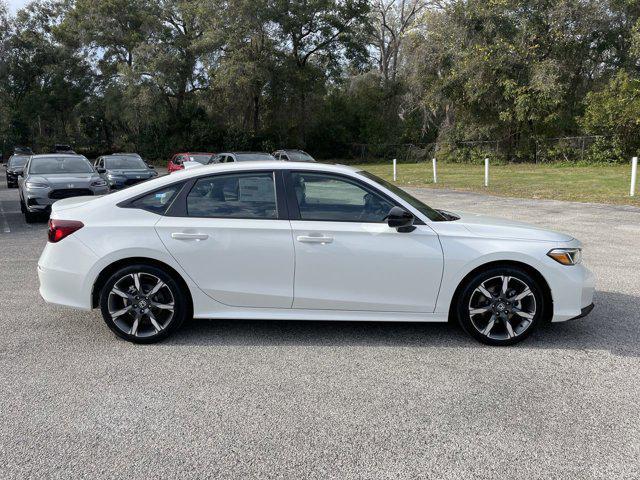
x=51, y=177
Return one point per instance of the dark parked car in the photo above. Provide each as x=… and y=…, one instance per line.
x=15, y=167
x=228, y=157
x=124, y=169
x=51, y=177
x=293, y=156
x=18, y=150
x=62, y=148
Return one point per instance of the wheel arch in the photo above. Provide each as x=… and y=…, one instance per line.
x=535, y=273
x=107, y=271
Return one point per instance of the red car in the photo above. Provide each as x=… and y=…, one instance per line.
x=177, y=161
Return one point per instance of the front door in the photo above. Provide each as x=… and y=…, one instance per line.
x=348, y=258
x=232, y=241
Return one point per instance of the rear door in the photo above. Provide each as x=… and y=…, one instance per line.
x=231, y=235
x=348, y=258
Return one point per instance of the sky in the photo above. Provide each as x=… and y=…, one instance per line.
x=16, y=4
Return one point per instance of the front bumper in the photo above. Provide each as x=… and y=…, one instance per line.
x=572, y=293
x=40, y=201
x=584, y=312
x=118, y=183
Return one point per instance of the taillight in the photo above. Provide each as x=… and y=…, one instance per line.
x=59, y=229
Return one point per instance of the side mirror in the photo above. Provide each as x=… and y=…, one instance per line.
x=400, y=219
x=101, y=170
x=151, y=166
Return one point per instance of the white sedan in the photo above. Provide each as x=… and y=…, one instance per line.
x=274, y=241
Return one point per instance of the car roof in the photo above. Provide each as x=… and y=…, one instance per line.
x=269, y=165
x=218, y=168
x=244, y=153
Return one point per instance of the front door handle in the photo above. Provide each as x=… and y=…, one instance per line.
x=189, y=236
x=315, y=239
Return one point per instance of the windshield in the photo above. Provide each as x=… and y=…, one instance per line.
x=18, y=161
x=252, y=157
x=53, y=165
x=423, y=208
x=123, y=163
x=299, y=156
x=200, y=158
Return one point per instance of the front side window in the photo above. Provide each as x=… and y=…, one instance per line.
x=248, y=195
x=158, y=201
x=426, y=210
x=333, y=198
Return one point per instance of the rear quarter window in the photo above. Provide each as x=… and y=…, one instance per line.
x=157, y=201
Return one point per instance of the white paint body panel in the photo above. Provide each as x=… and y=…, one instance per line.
x=241, y=263
x=367, y=266
x=256, y=269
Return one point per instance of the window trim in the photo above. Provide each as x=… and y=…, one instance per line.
x=294, y=209
x=178, y=207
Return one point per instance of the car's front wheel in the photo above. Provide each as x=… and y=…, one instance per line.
x=501, y=305
x=143, y=304
x=29, y=217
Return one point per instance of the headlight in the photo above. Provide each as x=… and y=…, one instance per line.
x=566, y=256
x=99, y=183
x=34, y=185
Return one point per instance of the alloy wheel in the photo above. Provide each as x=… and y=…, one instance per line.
x=502, y=307
x=141, y=305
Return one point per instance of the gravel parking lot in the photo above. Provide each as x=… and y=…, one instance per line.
x=300, y=400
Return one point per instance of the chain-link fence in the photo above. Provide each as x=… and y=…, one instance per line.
x=583, y=149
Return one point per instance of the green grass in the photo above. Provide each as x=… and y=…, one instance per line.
x=596, y=183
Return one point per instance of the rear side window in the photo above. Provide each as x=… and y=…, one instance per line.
x=158, y=201
x=250, y=195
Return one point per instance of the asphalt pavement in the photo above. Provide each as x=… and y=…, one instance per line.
x=305, y=400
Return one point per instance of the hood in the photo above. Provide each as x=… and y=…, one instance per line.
x=66, y=180
x=130, y=172
x=493, y=227
x=190, y=164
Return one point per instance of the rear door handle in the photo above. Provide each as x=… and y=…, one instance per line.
x=314, y=239
x=189, y=236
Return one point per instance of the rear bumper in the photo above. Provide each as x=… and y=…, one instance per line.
x=62, y=271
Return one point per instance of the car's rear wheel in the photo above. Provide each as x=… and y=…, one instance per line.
x=143, y=304
x=501, y=305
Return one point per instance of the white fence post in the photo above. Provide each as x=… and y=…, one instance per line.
x=435, y=172
x=395, y=170
x=486, y=172
x=634, y=175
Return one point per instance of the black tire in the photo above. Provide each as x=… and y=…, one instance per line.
x=30, y=217
x=147, y=333
x=509, y=326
